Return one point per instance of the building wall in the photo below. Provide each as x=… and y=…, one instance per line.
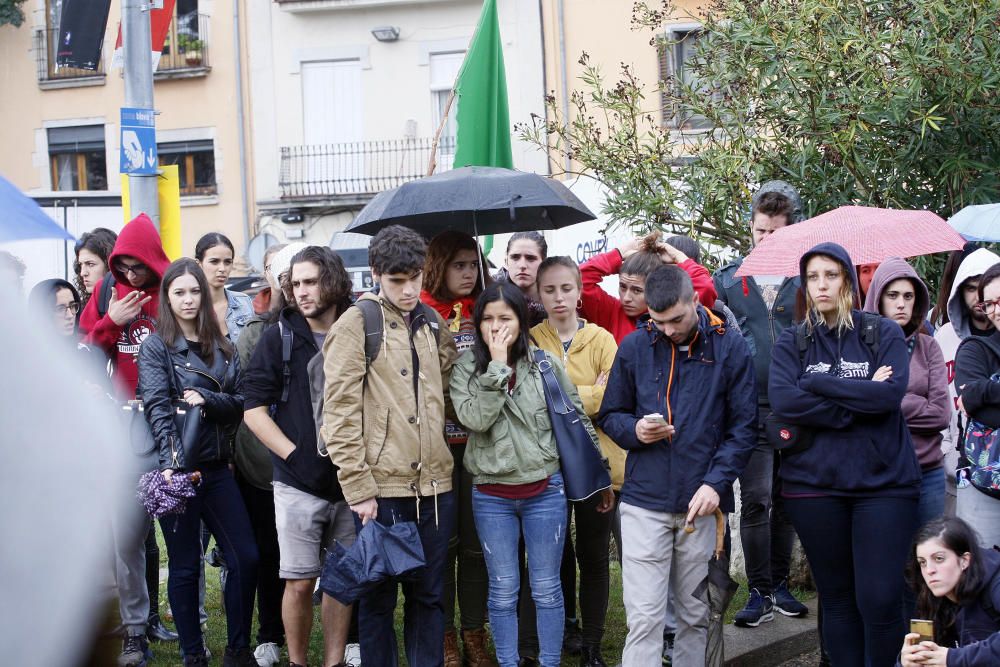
x=395, y=78
x=202, y=107
x=602, y=29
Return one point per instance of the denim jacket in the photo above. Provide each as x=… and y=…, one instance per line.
x=239, y=312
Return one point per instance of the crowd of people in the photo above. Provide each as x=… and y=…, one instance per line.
x=854, y=412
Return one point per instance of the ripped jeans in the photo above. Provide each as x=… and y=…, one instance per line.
x=500, y=523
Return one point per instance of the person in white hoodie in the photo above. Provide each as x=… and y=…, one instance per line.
x=965, y=319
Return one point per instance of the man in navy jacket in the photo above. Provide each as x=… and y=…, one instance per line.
x=699, y=378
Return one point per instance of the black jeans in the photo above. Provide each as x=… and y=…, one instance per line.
x=766, y=532
x=218, y=503
x=270, y=587
x=857, y=548
x=423, y=609
x=591, y=552
x=153, y=571
x=465, y=556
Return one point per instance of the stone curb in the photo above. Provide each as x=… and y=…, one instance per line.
x=773, y=643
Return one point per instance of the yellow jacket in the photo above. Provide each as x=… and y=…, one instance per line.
x=591, y=353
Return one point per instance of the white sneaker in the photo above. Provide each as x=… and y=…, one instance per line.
x=352, y=655
x=267, y=654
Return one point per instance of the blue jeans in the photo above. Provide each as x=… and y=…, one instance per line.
x=219, y=504
x=423, y=590
x=500, y=523
x=931, y=495
x=857, y=548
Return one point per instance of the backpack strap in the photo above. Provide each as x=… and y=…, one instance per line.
x=374, y=328
x=870, y=323
x=104, y=296
x=287, y=338
x=802, y=337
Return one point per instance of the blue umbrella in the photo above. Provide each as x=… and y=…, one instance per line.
x=22, y=219
x=978, y=223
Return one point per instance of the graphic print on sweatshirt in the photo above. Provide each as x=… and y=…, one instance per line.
x=134, y=333
x=845, y=369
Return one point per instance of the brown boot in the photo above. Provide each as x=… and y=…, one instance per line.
x=476, y=653
x=451, y=655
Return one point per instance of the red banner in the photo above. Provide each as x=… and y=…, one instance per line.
x=159, y=23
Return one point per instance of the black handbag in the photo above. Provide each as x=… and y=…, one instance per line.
x=786, y=437
x=583, y=468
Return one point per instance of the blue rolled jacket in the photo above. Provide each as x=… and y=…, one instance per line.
x=707, y=392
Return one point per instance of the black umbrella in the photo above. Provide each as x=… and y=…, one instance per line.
x=474, y=200
x=378, y=553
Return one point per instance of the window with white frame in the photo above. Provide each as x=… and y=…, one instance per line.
x=444, y=69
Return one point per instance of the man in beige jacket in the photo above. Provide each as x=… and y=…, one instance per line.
x=383, y=425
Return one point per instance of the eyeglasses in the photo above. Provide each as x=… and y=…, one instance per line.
x=71, y=307
x=989, y=306
x=131, y=268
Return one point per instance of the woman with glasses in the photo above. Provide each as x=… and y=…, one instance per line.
x=59, y=300
x=215, y=254
x=976, y=362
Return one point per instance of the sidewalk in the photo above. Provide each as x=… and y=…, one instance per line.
x=771, y=644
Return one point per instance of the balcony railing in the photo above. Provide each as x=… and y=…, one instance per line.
x=45, y=59
x=360, y=168
x=186, y=46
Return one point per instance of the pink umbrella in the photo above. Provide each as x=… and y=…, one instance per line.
x=870, y=235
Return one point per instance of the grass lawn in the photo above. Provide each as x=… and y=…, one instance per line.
x=614, y=638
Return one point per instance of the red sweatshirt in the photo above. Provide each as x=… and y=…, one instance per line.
x=140, y=241
x=606, y=311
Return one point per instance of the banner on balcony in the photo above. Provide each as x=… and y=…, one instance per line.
x=81, y=33
x=159, y=23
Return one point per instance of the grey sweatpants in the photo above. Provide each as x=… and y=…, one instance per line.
x=660, y=559
x=130, y=525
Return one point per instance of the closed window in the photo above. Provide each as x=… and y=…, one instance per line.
x=195, y=162
x=444, y=71
x=675, y=54
x=77, y=159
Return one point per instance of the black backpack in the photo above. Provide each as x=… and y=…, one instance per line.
x=869, y=335
x=374, y=332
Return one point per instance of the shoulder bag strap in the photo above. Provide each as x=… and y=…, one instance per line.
x=554, y=395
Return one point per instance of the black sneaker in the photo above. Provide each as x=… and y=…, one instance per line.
x=135, y=651
x=785, y=603
x=590, y=656
x=759, y=609
x=156, y=631
x=572, y=638
x=668, y=649
x=239, y=657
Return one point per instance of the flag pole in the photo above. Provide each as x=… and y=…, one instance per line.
x=432, y=163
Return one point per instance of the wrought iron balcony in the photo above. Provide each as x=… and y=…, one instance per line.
x=359, y=168
x=45, y=40
x=186, y=46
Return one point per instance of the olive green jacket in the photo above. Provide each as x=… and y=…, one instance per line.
x=510, y=434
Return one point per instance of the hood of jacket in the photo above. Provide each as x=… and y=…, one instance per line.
x=892, y=269
x=139, y=239
x=834, y=251
x=973, y=265
x=546, y=336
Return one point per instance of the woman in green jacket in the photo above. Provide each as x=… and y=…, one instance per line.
x=498, y=396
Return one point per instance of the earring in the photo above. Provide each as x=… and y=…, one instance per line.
x=579, y=304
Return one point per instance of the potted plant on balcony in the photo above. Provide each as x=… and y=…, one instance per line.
x=191, y=47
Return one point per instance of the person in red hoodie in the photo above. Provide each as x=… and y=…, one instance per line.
x=632, y=262
x=137, y=265
x=118, y=328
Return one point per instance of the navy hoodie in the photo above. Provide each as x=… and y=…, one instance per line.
x=862, y=446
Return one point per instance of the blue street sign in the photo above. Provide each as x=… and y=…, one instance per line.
x=138, y=141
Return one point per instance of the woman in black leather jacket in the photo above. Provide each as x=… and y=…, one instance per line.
x=189, y=359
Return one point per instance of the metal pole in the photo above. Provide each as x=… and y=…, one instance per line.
x=138, y=73
x=240, y=123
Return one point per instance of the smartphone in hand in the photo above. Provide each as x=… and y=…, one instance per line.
x=922, y=627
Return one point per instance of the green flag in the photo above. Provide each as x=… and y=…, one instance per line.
x=483, y=119
x=481, y=92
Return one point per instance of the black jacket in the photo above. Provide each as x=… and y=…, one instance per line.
x=976, y=360
x=759, y=325
x=219, y=383
x=303, y=469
